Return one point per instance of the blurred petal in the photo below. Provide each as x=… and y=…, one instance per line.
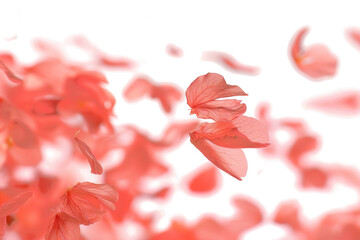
x=230, y=62
x=342, y=103
x=316, y=62
x=230, y=160
x=205, y=180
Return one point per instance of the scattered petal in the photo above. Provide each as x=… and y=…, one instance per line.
x=316, y=62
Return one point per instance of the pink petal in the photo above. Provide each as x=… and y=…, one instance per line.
x=174, y=51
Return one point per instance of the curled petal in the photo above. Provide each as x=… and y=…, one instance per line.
x=316, y=62
x=204, y=90
x=11, y=76
x=176, y=132
x=354, y=35
x=96, y=168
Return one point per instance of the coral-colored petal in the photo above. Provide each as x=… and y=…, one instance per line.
x=22, y=135
x=10, y=206
x=45, y=106
x=176, y=132
x=174, y=51
x=242, y=132
x=209, y=87
x=343, y=103
x=2, y=226
x=123, y=206
x=230, y=62
x=84, y=207
x=106, y=194
x=316, y=62
x=46, y=183
x=314, y=177
x=220, y=110
x=230, y=160
x=288, y=213
x=205, y=180
x=141, y=87
x=354, y=35
x=11, y=76
x=96, y=168
x=63, y=226
x=247, y=216
x=85, y=201
x=300, y=147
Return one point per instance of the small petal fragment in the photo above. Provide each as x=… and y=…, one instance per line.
x=230, y=62
x=96, y=168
